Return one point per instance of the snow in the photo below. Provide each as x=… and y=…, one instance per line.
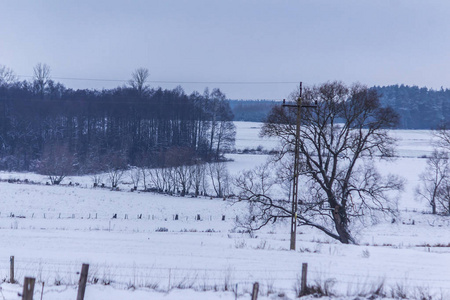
x=57, y=228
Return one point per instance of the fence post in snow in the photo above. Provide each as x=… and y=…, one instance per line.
x=168, y=287
x=303, y=288
x=28, y=288
x=255, y=291
x=42, y=290
x=82, y=282
x=11, y=270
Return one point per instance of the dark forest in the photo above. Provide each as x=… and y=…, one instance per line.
x=45, y=125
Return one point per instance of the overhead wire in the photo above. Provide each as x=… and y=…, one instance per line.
x=169, y=81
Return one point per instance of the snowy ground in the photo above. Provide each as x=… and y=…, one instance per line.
x=147, y=254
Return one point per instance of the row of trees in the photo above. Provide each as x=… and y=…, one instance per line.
x=42, y=120
x=198, y=179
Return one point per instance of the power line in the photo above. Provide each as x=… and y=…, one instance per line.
x=170, y=81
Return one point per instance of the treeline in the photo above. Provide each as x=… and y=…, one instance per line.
x=419, y=108
x=49, y=128
x=251, y=110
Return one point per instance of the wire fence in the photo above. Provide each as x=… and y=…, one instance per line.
x=59, y=276
x=119, y=216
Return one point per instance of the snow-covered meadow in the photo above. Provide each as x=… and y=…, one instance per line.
x=157, y=248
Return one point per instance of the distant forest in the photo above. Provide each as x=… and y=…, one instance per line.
x=419, y=108
x=251, y=110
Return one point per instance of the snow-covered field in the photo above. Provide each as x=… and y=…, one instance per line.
x=157, y=248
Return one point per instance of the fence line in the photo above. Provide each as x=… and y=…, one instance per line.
x=115, y=216
x=143, y=271
x=136, y=276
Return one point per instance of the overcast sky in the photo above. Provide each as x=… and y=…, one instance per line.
x=379, y=42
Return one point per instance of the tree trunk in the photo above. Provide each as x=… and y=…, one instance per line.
x=340, y=222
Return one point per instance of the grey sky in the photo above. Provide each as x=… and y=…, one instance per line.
x=374, y=42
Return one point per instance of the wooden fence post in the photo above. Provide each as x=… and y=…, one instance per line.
x=255, y=291
x=11, y=270
x=82, y=282
x=304, y=287
x=42, y=291
x=28, y=288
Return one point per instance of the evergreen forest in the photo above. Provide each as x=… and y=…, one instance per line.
x=419, y=108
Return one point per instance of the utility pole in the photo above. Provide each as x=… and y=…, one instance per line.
x=298, y=106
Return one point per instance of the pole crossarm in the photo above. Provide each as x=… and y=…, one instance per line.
x=296, y=174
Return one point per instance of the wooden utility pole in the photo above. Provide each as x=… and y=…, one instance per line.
x=298, y=106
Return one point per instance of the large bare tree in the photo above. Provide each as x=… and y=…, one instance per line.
x=339, y=140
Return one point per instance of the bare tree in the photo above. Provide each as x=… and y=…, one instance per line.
x=135, y=176
x=144, y=175
x=116, y=165
x=444, y=198
x=97, y=179
x=443, y=135
x=139, y=79
x=164, y=179
x=198, y=177
x=41, y=78
x=57, y=162
x=225, y=137
x=170, y=180
x=156, y=177
x=7, y=76
x=338, y=142
x=435, y=181
x=220, y=178
x=260, y=187
x=222, y=130
x=184, y=178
